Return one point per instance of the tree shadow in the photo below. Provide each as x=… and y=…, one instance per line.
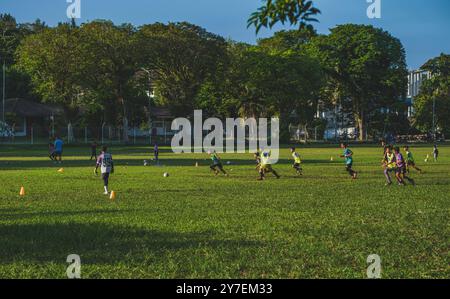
x=100, y=243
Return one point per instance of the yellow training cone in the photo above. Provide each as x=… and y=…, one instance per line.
x=196, y=164
x=61, y=170
x=332, y=159
x=113, y=195
x=22, y=191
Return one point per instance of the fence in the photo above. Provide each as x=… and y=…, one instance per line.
x=84, y=135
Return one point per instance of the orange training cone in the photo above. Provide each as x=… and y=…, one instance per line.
x=22, y=191
x=113, y=195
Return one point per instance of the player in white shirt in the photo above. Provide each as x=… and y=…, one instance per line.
x=106, y=164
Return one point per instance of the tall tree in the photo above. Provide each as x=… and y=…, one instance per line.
x=260, y=84
x=366, y=68
x=9, y=38
x=434, y=92
x=51, y=60
x=109, y=63
x=180, y=57
x=295, y=12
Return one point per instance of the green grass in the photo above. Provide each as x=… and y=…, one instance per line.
x=195, y=225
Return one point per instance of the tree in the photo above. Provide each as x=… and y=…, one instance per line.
x=295, y=12
x=366, y=68
x=287, y=41
x=180, y=57
x=51, y=60
x=109, y=64
x=260, y=84
x=9, y=38
x=434, y=91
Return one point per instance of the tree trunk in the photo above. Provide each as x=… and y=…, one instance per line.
x=360, y=119
x=126, y=138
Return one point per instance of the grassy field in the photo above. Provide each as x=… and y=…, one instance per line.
x=195, y=225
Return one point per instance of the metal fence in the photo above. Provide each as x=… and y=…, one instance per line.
x=85, y=135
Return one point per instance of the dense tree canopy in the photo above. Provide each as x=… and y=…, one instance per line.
x=101, y=72
x=434, y=92
x=180, y=56
x=366, y=68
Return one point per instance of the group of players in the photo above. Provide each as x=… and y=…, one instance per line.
x=393, y=162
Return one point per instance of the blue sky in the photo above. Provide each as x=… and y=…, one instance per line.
x=422, y=26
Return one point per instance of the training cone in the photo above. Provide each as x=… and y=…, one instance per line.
x=113, y=195
x=332, y=159
x=22, y=191
x=61, y=170
x=196, y=164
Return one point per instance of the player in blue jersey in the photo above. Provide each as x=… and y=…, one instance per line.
x=348, y=156
x=58, y=149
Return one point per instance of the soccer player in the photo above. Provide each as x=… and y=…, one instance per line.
x=348, y=156
x=389, y=164
x=94, y=150
x=400, y=171
x=58, y=149
x=217, y=165
x=297, y=161
x=266, y=167
x=106, y=163
x=257, y=157
x=156, y=153
x=51, y=151
x=410, y=162
x=384, y=146
x=435, y=152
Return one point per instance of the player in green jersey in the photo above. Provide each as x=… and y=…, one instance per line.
x=410, y=162
x=217, y=165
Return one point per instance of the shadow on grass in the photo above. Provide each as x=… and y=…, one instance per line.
x=16, y=214
x=99, y=243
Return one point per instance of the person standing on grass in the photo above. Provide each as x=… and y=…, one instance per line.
x=389, y=164
x=51, y=151
x=58, y=149
x=297, y=161
x=156, y=153
x=105, y=162
x=410, y=162
x=348, y=156
x=384, y=146
x=257, y=157
x=435, y=153
x=94, y=150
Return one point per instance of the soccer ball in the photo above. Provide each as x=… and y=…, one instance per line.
x=229, y=163
x=145, y=163
x=166, y=174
